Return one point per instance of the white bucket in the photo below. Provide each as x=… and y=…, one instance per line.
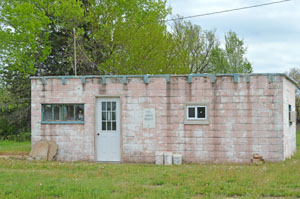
x=168, y=158
x=177, y=159
x=159, y=158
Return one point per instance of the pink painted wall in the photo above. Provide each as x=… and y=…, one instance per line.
x=289, y=129
x=244, y=117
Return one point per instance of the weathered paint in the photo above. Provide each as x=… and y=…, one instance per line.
x=247, y=114
x=289, y=136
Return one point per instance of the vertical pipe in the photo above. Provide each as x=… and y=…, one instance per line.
x=75, y=61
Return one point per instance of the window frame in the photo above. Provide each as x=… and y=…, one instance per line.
x=196, y=120
x=62, y=113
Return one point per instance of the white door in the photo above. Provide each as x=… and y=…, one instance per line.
x=108, y=129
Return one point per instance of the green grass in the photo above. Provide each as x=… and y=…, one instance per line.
x=38, y=179
x=12, y=147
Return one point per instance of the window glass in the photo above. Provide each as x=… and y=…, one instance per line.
x=201, y=112
x=56, y=112
x=47, y=112
x=79, y=111
x=290, y=109
x=191, y=112
x=113, y=116
x=104, y=126
x=114, y=126
x=108, y=106
x=108, y=126
x=69, y=112
x=103, y=116
x=104, y=106
x=113, y=106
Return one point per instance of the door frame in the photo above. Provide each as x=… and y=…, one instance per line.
x=95, y=123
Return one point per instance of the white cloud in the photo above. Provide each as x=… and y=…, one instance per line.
x=270, y=32
x=272, y=54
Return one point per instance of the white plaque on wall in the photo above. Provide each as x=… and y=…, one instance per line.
x=149, y=118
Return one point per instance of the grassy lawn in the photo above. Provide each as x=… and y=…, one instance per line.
x=36, y=179
x=11, y=147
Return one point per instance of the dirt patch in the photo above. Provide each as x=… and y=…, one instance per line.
x=13, y=153
x=16, y=156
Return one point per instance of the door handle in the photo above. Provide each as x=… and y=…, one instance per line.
x=98, y=134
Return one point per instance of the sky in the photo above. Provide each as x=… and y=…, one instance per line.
x=271, y=33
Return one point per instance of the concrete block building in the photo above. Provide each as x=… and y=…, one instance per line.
x=204, y=117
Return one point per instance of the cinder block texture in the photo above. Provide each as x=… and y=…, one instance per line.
x=245, y=117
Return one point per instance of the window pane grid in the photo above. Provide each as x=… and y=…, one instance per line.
x=109, y=115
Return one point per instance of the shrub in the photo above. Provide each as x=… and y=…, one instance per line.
x=11, y=131
x=21, y=137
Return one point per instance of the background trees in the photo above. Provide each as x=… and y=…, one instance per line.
x=193, y=46
x=112, y=37
x=232, y=58
x=200, y=50
x=295, y=74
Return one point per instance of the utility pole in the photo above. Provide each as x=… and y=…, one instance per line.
x=75, y=61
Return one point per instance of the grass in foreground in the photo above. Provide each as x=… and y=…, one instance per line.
x=11, y=147
x=25, y=179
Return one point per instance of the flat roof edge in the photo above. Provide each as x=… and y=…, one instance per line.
x=170, y=75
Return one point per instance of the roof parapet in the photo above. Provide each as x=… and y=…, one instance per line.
x=146, y=77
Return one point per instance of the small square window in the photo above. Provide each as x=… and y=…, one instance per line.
x=196, y=113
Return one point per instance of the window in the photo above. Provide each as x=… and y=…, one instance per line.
x=196, y=113
x=109, y=116
x=68, y=113
x=290, y=117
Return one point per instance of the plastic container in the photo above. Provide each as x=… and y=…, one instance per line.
x=168, y=158
x=159, y=158
x=177, y=159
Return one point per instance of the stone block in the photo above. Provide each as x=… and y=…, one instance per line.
x=52, y=151
x=44, y=150
x=40, y=150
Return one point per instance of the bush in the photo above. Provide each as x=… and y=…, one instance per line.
x=10, y=131
x=21, y=137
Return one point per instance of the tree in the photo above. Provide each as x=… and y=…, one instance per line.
x=194, y=45
x=201, y=52
x=295, y=74
x=113, y=37
x=231, y=59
